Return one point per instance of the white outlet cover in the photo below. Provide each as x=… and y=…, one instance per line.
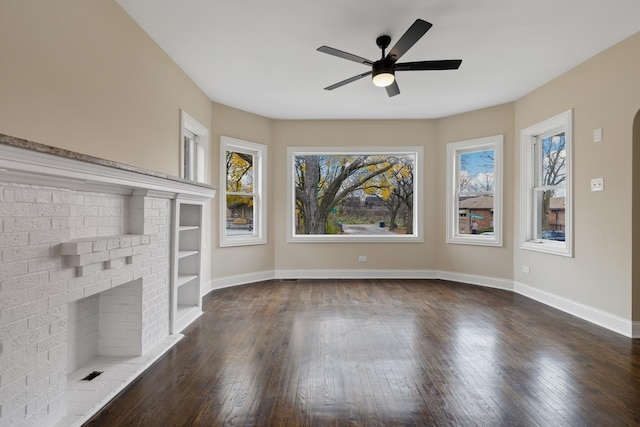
x=597, y=135
x=597, y=184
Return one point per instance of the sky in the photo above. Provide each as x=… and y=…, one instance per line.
x=475, y=164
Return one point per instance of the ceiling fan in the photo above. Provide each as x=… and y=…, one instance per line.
x=383, y=70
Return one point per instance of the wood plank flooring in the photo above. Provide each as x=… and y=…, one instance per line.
x=384, y=353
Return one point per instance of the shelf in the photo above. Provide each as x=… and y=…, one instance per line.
x=187, y=265
x=184, y=310
x=183, y=280
x=185, y=315
x=184, y=254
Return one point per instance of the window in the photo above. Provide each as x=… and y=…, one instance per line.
x=474, y=191
x=194, y=149
x=354, y=194
x=244, y=205
x=546, y=199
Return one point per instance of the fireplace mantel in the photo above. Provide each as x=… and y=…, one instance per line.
x=28, y=162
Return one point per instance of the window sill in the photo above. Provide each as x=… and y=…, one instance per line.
x=477, y=240
x=547, y=246
x=335, y=238
x=247, y=241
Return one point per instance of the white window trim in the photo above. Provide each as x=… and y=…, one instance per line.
x=418, y=227
x=190, y=125
x=259, y=151
x=529, y=240
x=453, y=150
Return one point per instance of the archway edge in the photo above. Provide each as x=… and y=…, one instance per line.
x=635, y=225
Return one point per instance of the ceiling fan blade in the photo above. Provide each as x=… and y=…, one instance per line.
x=345, y=55
x=393, y=89
x=349, y=80
x=445, y=64
x=408, y=39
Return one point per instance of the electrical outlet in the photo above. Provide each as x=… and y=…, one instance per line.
x=597, y=184
x=362, y=258
x=525, y=269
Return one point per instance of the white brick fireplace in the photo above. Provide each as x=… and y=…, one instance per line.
x=84, y=280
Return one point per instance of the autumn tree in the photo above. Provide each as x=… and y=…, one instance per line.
x=404, y=191
x=239, y=170
x=322, y=181
x=394, y=189
x=239, y=185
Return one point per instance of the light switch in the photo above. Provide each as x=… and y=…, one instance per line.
x=597, y=184
x=597, y=135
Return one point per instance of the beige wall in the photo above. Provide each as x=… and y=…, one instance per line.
x=82, y=75
x=332, y=256
x=242, y=260
x=495, y=262
x=604, y=92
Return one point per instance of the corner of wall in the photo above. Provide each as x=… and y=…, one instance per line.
x=635, y=233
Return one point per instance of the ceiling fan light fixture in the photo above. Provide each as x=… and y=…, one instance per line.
x=383, y=74
x=383, y=79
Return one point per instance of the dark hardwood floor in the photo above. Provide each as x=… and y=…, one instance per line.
x=384, y=353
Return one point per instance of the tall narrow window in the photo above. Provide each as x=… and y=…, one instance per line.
x=190, y=155
x=546, y=186
x=474, y=191
x=244, y=192
x=194, y=149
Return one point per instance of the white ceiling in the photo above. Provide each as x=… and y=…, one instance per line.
x=260, y=55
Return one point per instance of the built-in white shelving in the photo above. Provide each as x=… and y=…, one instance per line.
x=187, y=264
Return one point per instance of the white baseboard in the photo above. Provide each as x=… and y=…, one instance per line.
x=239, y=279
x=205, y=288
x=355, y=274
x=489, y=282
x=635, y=330
x=590, y=314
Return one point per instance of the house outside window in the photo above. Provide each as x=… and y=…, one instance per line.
x=546, y=186
x=243, y=195
x=474, y=191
